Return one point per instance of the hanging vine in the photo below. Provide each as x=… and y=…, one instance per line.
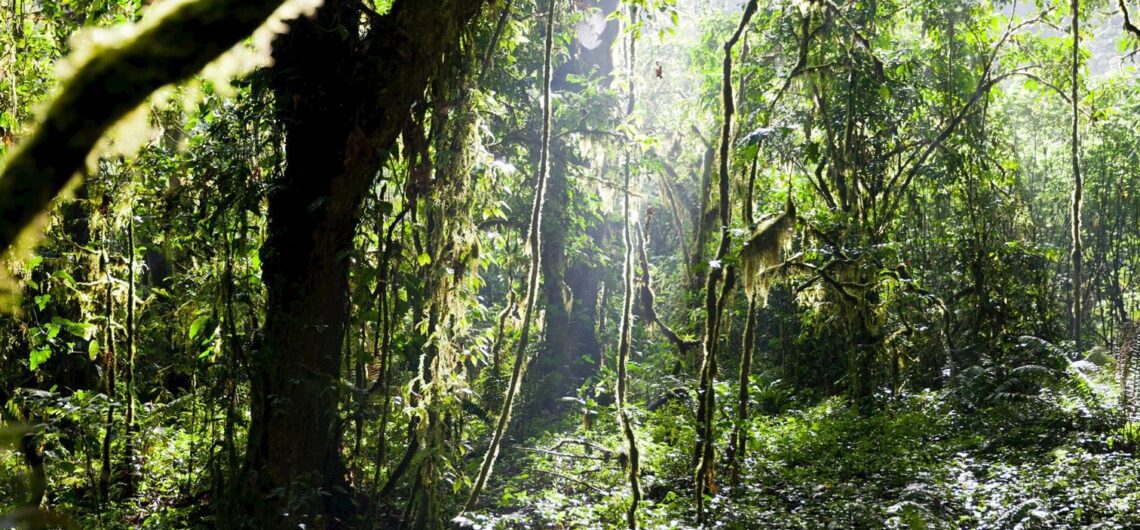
x=534, y=243
x=704, y=475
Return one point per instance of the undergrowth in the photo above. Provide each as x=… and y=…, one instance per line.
x=1038, y=447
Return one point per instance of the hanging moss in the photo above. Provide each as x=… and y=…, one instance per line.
x=771, y=239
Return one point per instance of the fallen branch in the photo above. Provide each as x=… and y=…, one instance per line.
x=600, y=491
x=561, y=454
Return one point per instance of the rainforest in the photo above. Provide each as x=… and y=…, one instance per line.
x=569, y=264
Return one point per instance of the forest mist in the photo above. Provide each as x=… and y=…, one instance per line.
x=379, y=264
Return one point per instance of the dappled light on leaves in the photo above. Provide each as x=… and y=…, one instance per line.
x=370, y=264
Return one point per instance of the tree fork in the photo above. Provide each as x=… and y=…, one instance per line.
x=649, y=302
x=343, y=106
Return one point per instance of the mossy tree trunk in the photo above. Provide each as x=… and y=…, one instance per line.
x=110, y=364
x=571, y=278
x=722, y=278
x=534, y=253
x=1078, y=184
x=343, y=98
x=129, y=427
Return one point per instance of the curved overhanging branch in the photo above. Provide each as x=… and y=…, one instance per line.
x=489, y=53
x=863, y=41
x=648, y=302
x=1128, y=25
x=907, y=171
x=106, y=87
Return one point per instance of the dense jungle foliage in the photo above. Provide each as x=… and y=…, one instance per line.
x=492, y=264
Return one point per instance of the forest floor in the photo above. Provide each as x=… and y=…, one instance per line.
x=1025, y=448
x=928, y=460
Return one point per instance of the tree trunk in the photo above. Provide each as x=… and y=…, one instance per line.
x=704, y=475
x=739, y=441
x=534, y=252
x=570, y=290
x=570, y=320
x=129, y=422
x=37, y=478
x=109, y=367
x=343, y=102
x=1078, y=185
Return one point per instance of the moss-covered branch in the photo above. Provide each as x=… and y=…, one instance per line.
x=1129, y=26
x=113, y=81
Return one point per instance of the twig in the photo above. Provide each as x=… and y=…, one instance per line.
x=600, y=491
x=565, y=455
x=489, y=53
x=583, y=443
x=1128, y=25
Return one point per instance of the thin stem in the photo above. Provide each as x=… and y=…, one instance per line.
x=704, y=475
x=534, y=244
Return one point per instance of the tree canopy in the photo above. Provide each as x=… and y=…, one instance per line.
x=569, y=264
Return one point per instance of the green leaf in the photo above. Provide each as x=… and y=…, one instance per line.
x=196, y=326
x=38, y=357
x=92, y=350
x=68, y=279
x=83, y=330
x=423, y=259
x=51, y=329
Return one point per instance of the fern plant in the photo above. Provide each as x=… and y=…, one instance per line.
x=1048, y=378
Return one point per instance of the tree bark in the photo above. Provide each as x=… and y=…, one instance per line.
x=534, y=249
x=704, y=475
x=570, y=320
x=1078, y=184
x=625, y=344
x=129, y=422
x=109, y=366
x=343, y=99
x=569, y=290
x=34, y=458
x=739, y=441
